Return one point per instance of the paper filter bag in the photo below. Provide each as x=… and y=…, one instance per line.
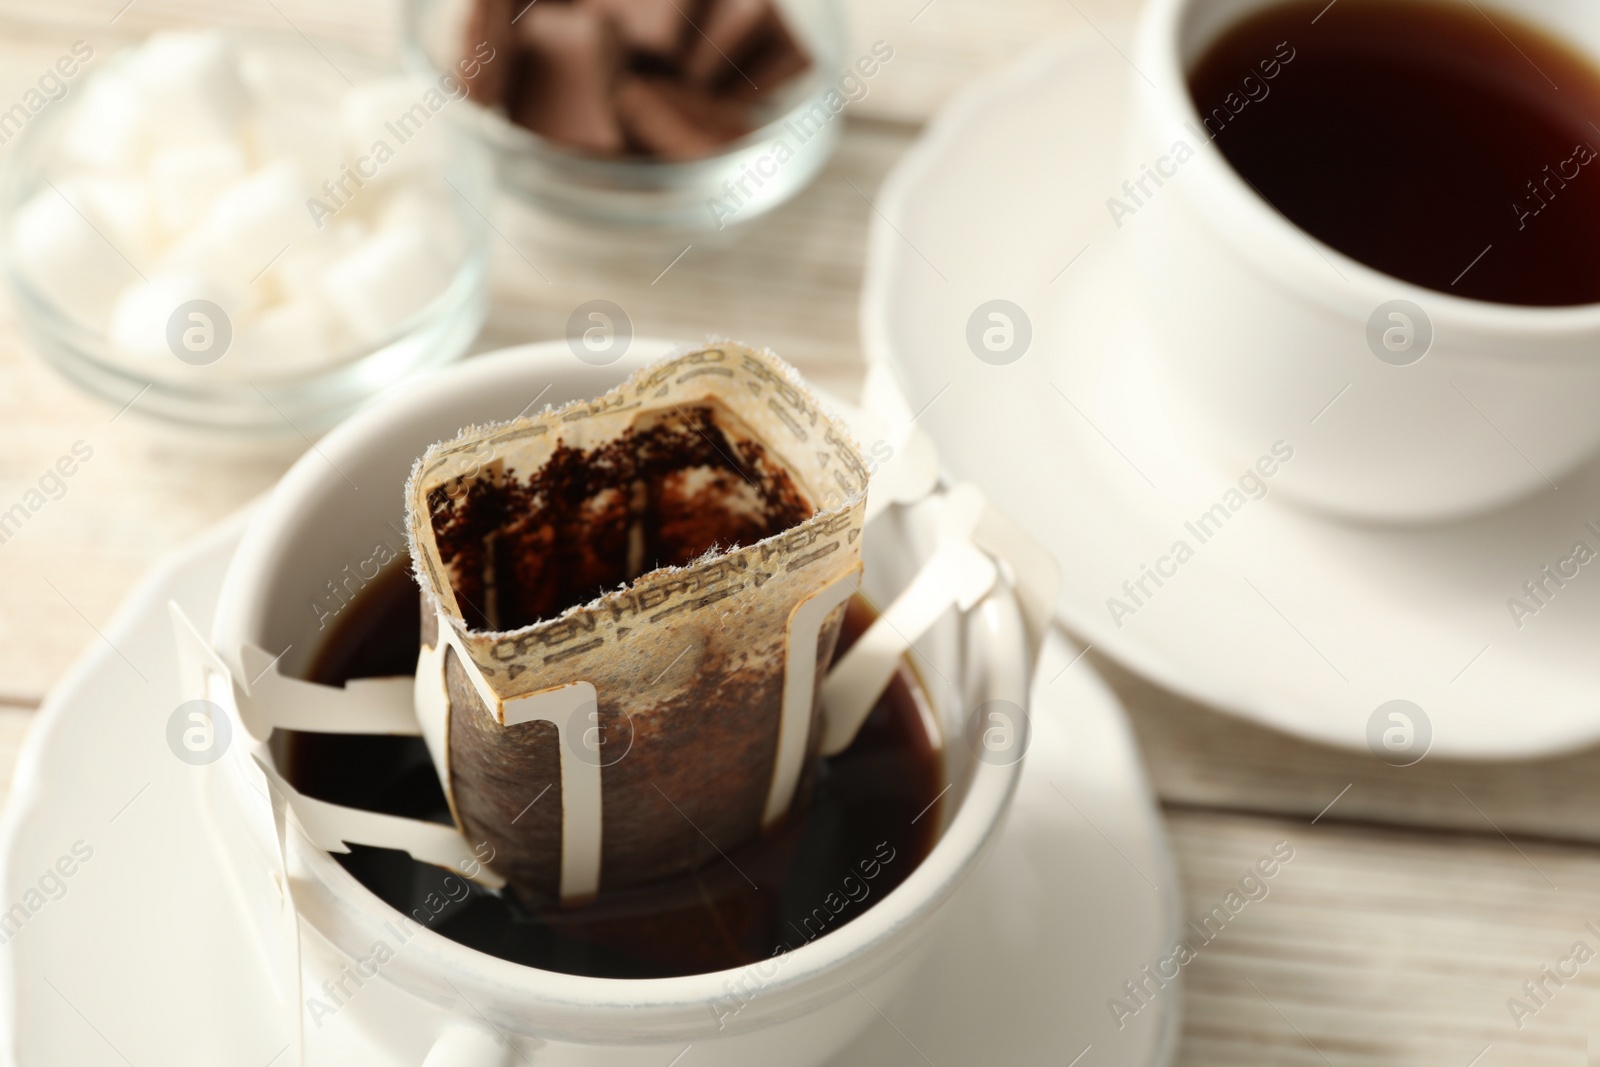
x=628, y=605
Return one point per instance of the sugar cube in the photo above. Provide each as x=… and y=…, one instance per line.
x=393, y=275
x=186, y=180
x=143, y=314
x=189, y=83
x=71, y=262
x=433, y=209
x=107, y=128
x=249, y=225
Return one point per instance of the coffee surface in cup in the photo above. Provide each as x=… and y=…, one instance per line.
x=1450, y=145
x=872, y=818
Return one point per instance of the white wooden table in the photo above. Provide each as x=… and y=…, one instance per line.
x=1416, y=905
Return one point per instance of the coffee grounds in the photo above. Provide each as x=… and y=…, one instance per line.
x=671, y=489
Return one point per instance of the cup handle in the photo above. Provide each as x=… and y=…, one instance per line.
x=468, y=1046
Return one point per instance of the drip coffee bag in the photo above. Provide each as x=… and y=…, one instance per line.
x=628, y=604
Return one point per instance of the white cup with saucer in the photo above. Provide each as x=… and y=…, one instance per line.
x=435, y=994
x=1446, y=406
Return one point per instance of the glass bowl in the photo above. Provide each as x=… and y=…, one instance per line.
x=747, y=178
x=250, y=397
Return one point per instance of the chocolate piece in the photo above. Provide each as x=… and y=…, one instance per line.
x=744, y=48
x=728, y=30
x=675, y=121
x=654, y=27
x=487, y=51
x=777, y=59
x=690, y=69
x=570, y=62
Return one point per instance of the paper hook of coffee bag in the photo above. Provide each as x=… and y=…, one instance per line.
x=273, y=700
x=957, y=575
x=561, y=706
x=799, y=693
x=333, y=828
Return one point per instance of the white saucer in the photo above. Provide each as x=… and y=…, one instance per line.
x=146, y=960
x=1302, y=622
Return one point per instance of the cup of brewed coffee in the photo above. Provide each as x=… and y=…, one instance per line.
x=1371, y=228
x=419, y=958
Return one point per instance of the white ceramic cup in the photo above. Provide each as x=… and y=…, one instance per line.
x=1259, y=327
x=442, y=1001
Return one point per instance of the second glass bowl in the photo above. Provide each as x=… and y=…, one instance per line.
x=746, y=179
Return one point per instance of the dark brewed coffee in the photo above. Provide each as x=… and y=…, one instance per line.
x=872, y=818
x=1451, y=145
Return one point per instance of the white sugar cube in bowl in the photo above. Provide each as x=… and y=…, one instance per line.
x=224, y=227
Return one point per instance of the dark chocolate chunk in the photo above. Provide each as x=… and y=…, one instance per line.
x=775, y=60
x=676, y=121
x=689, y=70
x=571, y=61
x=744, y=48
x=488, y=51
x=728, y=31
x=654, y=27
